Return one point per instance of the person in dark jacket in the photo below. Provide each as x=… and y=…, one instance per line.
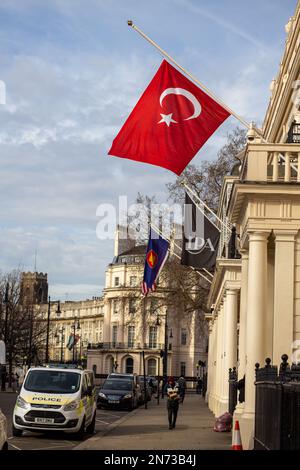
x=182, y=387
x=199, y=386
x=173, y=397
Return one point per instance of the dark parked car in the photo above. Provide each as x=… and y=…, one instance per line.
x=119, y=393
x=132, y=377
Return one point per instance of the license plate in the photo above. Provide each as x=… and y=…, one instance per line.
x=113, y=401
x=44, y=420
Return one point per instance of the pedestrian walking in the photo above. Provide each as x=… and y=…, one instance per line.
x=182, y=387
x=173, y=398
x=199, y=386
x=13, y=382
x=3, y=378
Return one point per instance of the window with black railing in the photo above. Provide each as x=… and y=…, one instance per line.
x=131, y=333
x=153, y=337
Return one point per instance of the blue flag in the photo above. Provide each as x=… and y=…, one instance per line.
x=156, y=256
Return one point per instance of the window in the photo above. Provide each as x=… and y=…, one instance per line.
x=132, y=305
x=114, y=335
x=153, y=337
x=152, y=367
x=117, y=281
x=182, y=368
x=132, y=281
x=154, y=305
x=183, y=336
x=131, y=331
x=115, y=306
x=109, y=364
x=129, y=365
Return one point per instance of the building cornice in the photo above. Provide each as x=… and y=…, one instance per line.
x=226, y=272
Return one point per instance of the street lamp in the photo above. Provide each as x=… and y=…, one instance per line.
x=75, y=327
x=58, y=312
x=164, y=353
x=62, y=339
x=6, y=312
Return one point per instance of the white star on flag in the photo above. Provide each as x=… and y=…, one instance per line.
x=166, y=118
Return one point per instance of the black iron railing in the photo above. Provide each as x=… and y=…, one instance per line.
x=131, y=345
x=277, y=406
x=232, y=390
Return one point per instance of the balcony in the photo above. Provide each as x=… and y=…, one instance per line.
x=131, y=346
x=276, y=163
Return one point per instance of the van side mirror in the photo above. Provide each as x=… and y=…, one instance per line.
x=89, y=390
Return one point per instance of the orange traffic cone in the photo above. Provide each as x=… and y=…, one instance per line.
x=236, y=442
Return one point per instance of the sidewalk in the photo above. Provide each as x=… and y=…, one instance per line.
x=149, y=429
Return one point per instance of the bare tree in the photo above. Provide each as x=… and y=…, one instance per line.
x=206, y=179
x=20, y=325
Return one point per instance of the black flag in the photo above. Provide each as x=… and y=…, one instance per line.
x=200, y=238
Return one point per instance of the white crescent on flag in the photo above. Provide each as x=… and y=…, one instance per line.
x=167, y=118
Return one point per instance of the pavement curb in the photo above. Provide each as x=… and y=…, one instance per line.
x=109, y=429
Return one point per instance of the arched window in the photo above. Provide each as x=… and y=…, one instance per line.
x=129, y=365
x=109, y=364
x=152, y=367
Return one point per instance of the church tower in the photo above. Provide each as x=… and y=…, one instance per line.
x=34, y=288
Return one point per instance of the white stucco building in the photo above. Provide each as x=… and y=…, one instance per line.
x=255, y=300
x=132, y=324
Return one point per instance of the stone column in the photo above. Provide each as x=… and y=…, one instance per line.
x=256, y=309
x=219, y=361
x=242, y=329
x=212, y=368
x=231, y=329
x=283, y=293
x=243, y=315
x=107, y=321
x=229, y=344
x=209, y=360
x=269, y=317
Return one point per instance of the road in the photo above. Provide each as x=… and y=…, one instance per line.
x=49, y=441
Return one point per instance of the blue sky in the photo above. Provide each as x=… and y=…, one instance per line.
x=73, y=71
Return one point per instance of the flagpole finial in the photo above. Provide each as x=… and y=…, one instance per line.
x=130, y=22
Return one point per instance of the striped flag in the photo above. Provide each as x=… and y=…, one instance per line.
x=156, y=256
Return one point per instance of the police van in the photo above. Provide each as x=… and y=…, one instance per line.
x=56, y=399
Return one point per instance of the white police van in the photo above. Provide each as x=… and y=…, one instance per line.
x=56, y=399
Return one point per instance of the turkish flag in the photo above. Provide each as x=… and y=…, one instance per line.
x=170, y=123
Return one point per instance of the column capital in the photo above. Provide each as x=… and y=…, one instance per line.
x=232, y=290
x=285, y=235
x=258, y=235
x=244, y=253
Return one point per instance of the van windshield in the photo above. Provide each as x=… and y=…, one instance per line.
x=52, y=381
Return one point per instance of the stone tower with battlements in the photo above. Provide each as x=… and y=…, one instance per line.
x=34, y=288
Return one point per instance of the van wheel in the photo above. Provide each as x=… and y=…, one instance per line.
x=16, y=432
x=91, y=427
x=80, y=434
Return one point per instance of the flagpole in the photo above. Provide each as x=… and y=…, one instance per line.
x=206, y=207
x=175, y=254
x=210, y=93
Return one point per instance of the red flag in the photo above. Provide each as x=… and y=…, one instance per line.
x=170, y=123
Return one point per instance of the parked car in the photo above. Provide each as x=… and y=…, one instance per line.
x=56, y=399
x=119, y=375
x=132, y=377
x=118, y=392
x=3, y=432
